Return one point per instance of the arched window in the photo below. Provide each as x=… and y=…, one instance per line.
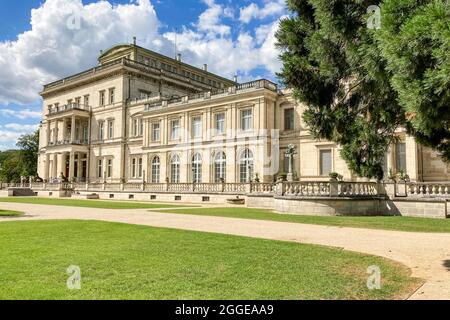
x=175, y=169
x=246, y=166
x=197, y=168
x=156, y=170
x=220, y=167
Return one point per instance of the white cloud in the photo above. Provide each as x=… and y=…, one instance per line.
x=55, y=46
x=66, y=36
x=21, y=114
x=21, y=127
x=210, y=20
x=270, y=9
x=227, y=56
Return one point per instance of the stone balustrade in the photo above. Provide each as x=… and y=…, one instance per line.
x=288, y=189
x=421, y=189
x=306, y=189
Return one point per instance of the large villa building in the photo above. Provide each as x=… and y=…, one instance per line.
x=141, y=116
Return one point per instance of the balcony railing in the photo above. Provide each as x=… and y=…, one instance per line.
x=68, y=107
x=288, y=189
x=428, y=190
x=68, y=143
x=241, y=88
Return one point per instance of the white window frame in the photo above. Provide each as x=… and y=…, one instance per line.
x=175, y=130
x=197, y=168
x=246, y=119
x=156, y=132
x=246, y=166
x=101, y=130
x=321, y=151
x=112, y=95
x=220, y=125
x=220, y=167
x=109, y=168
x=102, y=98
x=197, y=127
x=156, y=170
x=110, y=129
x=175, y=169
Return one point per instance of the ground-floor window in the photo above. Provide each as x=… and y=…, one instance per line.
x=220, y=167
x=175, y=169
x=100, y=168
x=197, y=168
x=400, y=156
x=109, y=168
x=325, y=162
x=246, y=166
x=156, y=170
x=136, y=167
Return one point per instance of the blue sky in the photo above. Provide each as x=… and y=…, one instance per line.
x=41, y=41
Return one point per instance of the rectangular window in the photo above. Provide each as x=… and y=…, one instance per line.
x=156, y=132
x=100, y=168
x=112, y=93
x=102, y=98
x=110, y=129
x=86, y=101
x=85, y=134
x=220, y=123
x=101, y=130
x=289, y=119
x=246, y=120
x=175, y=130
x=140, y=167
x=400, y=156
x=135, y=128
x=133, y=168
x=109, y=169
x=141, y=127
x=197, y=127
x=325, y=162
x=78, y=101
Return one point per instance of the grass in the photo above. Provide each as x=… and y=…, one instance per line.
x=8, y=213
x=380, y=222
x=120, y=261
x=98, y=204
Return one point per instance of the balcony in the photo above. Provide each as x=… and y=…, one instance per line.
x=214, y=94
x=68, y=143
x=68, y=107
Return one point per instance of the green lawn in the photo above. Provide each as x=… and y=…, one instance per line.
x=387, y=223
x=99, y=204
x=120, y=261
x=7, y=213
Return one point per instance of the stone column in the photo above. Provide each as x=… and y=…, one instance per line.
x=61, y=164
x=412, y=163
x=71, y=166
x=54, y=172
x=73, y=131
x=47, y=167
x=48, y=133
x=80, y=166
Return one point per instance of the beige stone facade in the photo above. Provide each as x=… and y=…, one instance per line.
x=140, y=116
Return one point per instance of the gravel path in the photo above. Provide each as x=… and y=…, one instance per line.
x=427, y=254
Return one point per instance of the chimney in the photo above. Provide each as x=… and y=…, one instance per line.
x=101, y=52
x=205, y=67
x=134, y=40
x=179, y=57
x=235, y=79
